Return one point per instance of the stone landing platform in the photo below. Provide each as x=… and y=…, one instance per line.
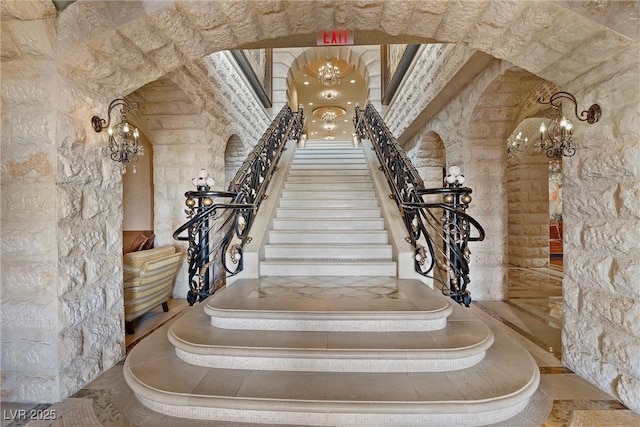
x=332, y=351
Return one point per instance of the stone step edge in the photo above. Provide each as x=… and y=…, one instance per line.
x=333, y=413
x=362, y=360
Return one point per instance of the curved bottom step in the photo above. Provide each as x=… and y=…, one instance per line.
x=494, y=390
x=356, y=304
x=460, y=345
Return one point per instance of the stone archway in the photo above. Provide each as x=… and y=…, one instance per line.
x=102, y=49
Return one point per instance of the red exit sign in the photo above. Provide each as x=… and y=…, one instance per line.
x=334, y=38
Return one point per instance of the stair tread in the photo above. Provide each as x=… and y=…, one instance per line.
x=503, y=381
x=194, y=336
x=331, y=295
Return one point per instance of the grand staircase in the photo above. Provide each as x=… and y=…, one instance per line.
x=328, y=335
x=328, y=222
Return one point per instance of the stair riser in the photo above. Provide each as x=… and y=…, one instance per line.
x=311, y=363
x=322, y=161
x=332, y=166
x=328, y=213
x=339, y=252
x=327, y=194
x=328, y=186
x=326, y=269
x=330, y=172
x=328, y=224
x=328, y=203
x=332, y=156
x=319, y=179
x=276, y=237
x=271, y=413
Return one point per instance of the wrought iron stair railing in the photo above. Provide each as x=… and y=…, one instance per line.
x=439, y=229
x=219, y=221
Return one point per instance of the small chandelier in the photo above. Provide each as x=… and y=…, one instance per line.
x=556, y=137
x=517, y=144
x=329, y=94
x=329, y=120
x=329, y=74
x=124, y=145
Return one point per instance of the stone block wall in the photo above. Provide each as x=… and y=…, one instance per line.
x=62, y=315
x=528, y=202
x=592, y=53
x=29, y=261
x=601, y=212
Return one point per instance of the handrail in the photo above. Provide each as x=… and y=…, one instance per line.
x=217, y=231
x=442, y=226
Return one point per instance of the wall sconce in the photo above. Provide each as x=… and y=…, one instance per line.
x=517, y=144
x=123, y=137
x=556, y=137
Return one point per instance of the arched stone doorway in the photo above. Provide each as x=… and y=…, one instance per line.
x=102, y=51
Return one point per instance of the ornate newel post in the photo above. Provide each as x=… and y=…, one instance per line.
x=197, y=202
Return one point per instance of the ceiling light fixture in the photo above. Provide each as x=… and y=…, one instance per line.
x=329, y=95
x=329, y=74
x=329, y=120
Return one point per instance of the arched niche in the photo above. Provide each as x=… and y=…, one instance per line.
x=234, y=156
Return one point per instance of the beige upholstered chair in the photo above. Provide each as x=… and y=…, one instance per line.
x=149, y=277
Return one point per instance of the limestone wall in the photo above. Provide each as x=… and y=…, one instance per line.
x=71, y=246
x=601, y=212
x=62, y=319
x=528, y=201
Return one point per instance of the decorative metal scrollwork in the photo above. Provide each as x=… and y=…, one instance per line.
x=217, y=230
x=438, y=226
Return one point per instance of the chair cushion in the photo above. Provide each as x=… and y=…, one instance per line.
x=152, y=287
x=133, y=261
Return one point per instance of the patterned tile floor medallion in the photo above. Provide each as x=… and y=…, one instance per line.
x=532, y=315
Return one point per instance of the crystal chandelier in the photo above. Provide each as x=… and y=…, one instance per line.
x=556, y=137
x=124, y=143
x=329, y=120
x=329, y=94
x=329, y=74
x=517, y=144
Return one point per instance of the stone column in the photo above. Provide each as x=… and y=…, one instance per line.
x=601, y=212
x=62, y=313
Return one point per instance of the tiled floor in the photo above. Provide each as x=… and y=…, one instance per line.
x=532, y=316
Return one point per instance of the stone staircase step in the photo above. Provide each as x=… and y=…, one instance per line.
x=494, y=390
x=313, y=223
x=460, y=345
x=353, y=202
x=317, y=303
x=344, y=212
x=328, y=267
x=360, y=172
x=337, y=154
x=329, y=178
x=325, y=236
x=331, y=166
x=328, y=186
x=332, y=161
x=342, y=252
x=327, y=194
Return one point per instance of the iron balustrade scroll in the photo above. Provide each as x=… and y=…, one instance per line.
x=219, y=221
x=439, y=227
